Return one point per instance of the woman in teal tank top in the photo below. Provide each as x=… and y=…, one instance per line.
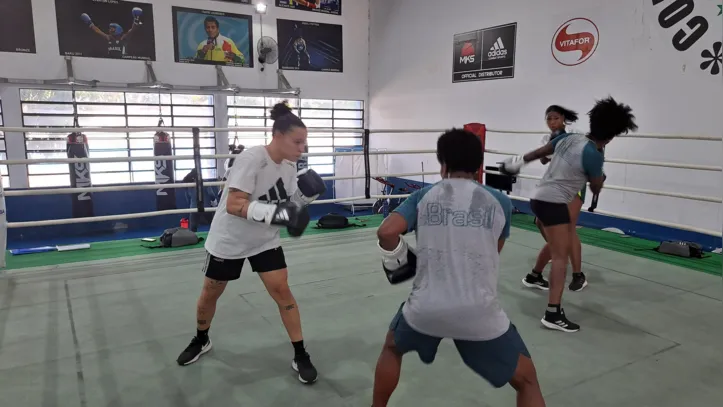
x=558, y=118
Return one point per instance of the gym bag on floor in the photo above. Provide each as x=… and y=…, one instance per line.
x=177, y=237
x=680, y=248
x=335, y=221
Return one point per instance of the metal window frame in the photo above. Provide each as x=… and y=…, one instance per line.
x=127, y=138
x=231, y=104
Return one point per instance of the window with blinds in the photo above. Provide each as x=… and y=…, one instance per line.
x=344, y=117
x=55, y=108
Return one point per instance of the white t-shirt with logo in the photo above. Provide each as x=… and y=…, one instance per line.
x=253, y=171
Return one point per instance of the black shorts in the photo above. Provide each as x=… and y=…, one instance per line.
x=226, y=270
x=550, y=213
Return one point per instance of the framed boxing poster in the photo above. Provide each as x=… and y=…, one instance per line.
x=17, y=33
x=318, y=6
x=485, y=54
x=106, y=29
x=307, y=46
x=212, y=37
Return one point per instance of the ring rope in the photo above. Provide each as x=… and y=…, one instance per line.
x=53, y=222
x=43, y=191
x=329, y=130
x=140, y=187
x=533, y=132
x=635, y=162
x=637, y=190
x=188, y=157
x=606, y=213
x=348, y=153
x=164, y=129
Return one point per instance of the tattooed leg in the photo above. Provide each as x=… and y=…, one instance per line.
x=278, y=287
x=206, y=306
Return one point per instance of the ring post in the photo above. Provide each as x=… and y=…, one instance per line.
x=199, y=173
x=367, y=166
x=3, y=227
x=479, y=130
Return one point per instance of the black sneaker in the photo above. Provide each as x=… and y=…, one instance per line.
x=302, y=365
x=558, y=320
x=536, y=282
x=578, y=282
x=194, y=351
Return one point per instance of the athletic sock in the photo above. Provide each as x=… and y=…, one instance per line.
x=553, y=308
x=299, y=348
x=202, y=334
x=535, y=274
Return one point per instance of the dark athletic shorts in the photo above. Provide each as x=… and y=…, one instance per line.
x=549, y=213
x=226, y=270
x=495, y=360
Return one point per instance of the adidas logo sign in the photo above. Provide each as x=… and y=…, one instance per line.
x=498, y=50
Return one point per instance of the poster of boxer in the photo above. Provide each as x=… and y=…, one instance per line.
x=17, y=33
x=212, y=37
x=307, y=46
x=319, y=6
x=112, y=29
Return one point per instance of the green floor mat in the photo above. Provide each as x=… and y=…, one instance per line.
x=598, y=238
x=134, y=247
x=632, y=246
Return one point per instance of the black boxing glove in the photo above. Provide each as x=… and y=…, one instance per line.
x=399, y=264
x=294, y=216
x=310, y=186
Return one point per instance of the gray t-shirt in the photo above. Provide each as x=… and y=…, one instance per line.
x=458, y=225
x=253, y=172
x=575, y=161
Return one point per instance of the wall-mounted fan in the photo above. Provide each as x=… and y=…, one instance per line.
x=268, y=51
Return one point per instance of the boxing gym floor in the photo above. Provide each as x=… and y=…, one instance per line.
x=107, y=333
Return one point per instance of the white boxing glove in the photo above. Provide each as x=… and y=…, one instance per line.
x=393, y=260
x=512, y=165
x=399, y=264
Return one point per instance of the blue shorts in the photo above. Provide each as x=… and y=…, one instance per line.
x=495, y=360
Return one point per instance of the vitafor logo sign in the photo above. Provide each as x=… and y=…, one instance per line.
x=485, y=54
x=575, y=41
x=692, y=30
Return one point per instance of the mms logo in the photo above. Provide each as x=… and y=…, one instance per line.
x=467, y=54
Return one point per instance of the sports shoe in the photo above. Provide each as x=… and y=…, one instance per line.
x=578, y=282
x=194, y=351
x=558, y=321
x=532, y=281
x=302, y=365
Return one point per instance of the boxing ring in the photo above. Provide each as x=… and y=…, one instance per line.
x=367, y=176
x=107, y=332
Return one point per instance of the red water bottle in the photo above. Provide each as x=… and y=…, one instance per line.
x=184, y=223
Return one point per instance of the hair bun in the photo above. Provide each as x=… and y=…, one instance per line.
x=280, y=109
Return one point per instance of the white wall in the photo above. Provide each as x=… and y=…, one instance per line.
x=352, y=83
x=411, y=87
